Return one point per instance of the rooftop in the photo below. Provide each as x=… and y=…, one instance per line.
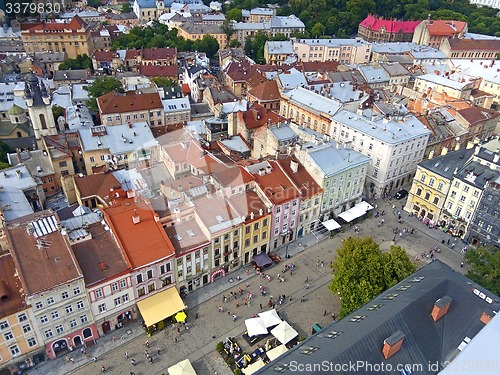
x=390, y=26
x=37, y=244
x=301, y=178
x=97, y=184
x=443, y=81
x=445, y=27
x=186, y=237
x=332, y=160
x=446, y=165
x=14, y=183
x=280, y=47
x=37, y=162
x=131, y=102
x=315, y=102
x=215, y=213
x=139, y=232
x=11, y=289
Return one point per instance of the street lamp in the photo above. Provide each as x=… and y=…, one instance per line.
x=286, y=252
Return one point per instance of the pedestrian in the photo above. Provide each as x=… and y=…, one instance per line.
x=84, y=352
x=146, y=353
x=234, y=318
x=147, y=344
x=82, y=349
x=291, y=273
x=103, y=369
x=333, y=317
x=237, y=303
x=132, y=373
x=72, y=360
x=133, y=362
x=322, y=264
x=448, y=242
x=461, y=264
x=196, y=316
x=150, y=359
x=307, y=286
x=302, y=299
x=67, y=358
x=178, y=330
x=126, y=355
x=260, y=305
x=158, y=350
x=324, y=314
x=94, y=358
x=186, y=326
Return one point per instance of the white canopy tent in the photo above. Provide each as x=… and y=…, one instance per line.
x=276, y=352
x=270, y=318
x=284, y=332
x=331, y=224
x=358, y=211
x=365, y=205
x=255, y=327
x=347, y=216
x=182, y=368
x=250, y=369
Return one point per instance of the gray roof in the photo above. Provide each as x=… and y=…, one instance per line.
x=292, y=79
x=477, y=174
x=263, y=11
x=37, y=162
x=394, y=48
x=283, y=132
x=395, y=69
x=443, y=81
x=279, y=47
x=13, y=185
x=429, y=54
x=78, y=74
x=235, y=144
x=486, y=69
x=113, y=140
x=343, y=91
x=333, y=42
x=176, y=105
x=386, y=130
x=404, y=309
x=195, y=28
x=286, y=22
x=333, y=158
x=373, y=74
x=47, y=57
x=445, y=165
x=315, y=102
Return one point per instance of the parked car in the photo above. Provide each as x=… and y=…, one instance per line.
x=401, y=194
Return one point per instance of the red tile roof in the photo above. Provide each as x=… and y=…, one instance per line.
x=302, y=179
x=43, y=262
x=99, y=184
x=457, y=44
x=391, y=26
x=159, y=71
x=276, y=184
x=143, y=243
x=113, y=102
x=75, y=24
x=11, y=289
x=446, y=27
x=233, y=176
x=132, y=53
x=239, y=70
x=186, y=89
x=474, y=115
x=317, y=66
x=104, y=55
x=266, y=91
x=158, y=53
x=247, y=203
x=257, y=116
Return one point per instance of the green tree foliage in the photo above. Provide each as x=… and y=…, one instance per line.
x=101, y=86
x=94, y=3
x=485, y=267
x=318, y=30
x=362, y=271
x=126, y=8
x=81, y=62
x=4, y=150
x=207, y=44
x=57, y=111
x=234, y=43
x=234, y=15
x=164, y=82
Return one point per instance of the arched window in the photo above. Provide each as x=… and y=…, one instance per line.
x=42, y=121
x=87, y=332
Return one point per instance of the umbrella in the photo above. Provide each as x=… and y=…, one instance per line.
x=182, y=368
x=180, y=317
x=253, y=367
x=270, y=318
x=276, y=352
x=284, y=332
x=255, y=326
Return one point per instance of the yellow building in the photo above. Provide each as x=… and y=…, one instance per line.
x=432, y=183
x=195, y=31
x=73, y=37
x=19, y=339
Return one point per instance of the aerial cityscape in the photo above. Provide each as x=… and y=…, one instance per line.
x=249, y=187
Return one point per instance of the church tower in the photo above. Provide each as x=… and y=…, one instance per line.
x=39, y=108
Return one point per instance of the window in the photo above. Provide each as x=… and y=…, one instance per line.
x=114, y=287
x=98, y=293
x=31, y=342
x=22, y=317
x=125, y=298
x=50, y=300
x=80, y=305
x=102, y=308
x=76, y=291
x=44, y=319
x=60, y=328
x=8, y=336
x=65, y=295
x=141, y=292
x=92, y=159
x=436, y=200
x=264, y=223
x=427, y=196
x=440, y=186
x=139, y=278
x=55, y=315
x=123, y=284
x=14, y=350
x=4, y=325
x=38, y=305
x=423, y=177
x=419, y=191
x=84, y=319
x=49, y=333
x=118, y=301
x=432, y=182
x=151, y=287
x=26, y=328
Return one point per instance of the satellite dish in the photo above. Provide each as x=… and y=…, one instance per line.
x=63, y=232
x=106, y=227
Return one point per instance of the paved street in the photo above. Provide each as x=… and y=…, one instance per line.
x=198, y=342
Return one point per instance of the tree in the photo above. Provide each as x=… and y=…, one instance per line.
x=234, y=43
x=485, y=267
x=164, y=82
x=94, y=3
x=234, y=14
x=318, y=30
x=81, y=62
x=362, y=271
x=57, y=111
x=209, y=45
x=101, y=86
x=126, y=8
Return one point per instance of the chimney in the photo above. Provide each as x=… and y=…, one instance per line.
x=457, y=147
x=431, y=154
x=486, y=317
x=476, y=151
x=130, y=125
x=444, y=151
x=261, y=212
x=440, y=308
x=252, y=215
x=469, y=145
x=496, y=158
x=294, y=166
x=392, y=344
x=136, y=219
x=268, y=169
x=262, y=172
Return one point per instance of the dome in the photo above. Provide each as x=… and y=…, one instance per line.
x=15, y=110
